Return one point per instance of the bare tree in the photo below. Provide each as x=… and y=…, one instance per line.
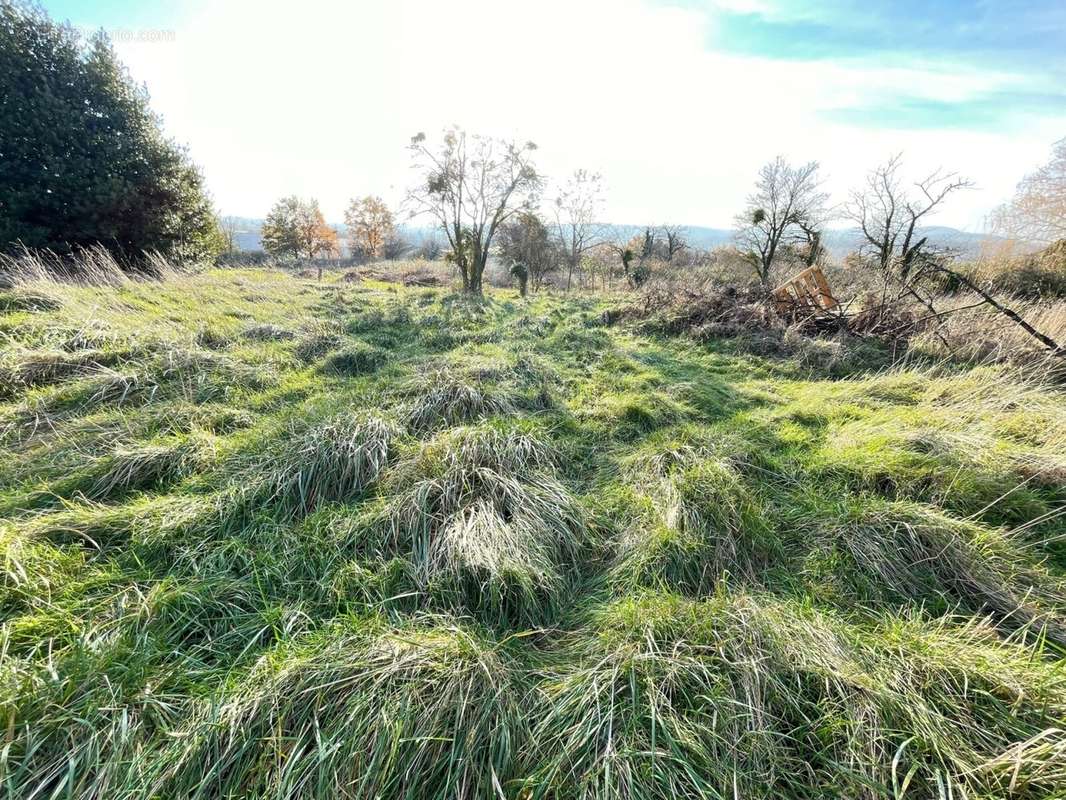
x=786, y=202
x=602, y=261
x=643, y=244
x=634, y=255
x=811, y=249
x=889, y=213
x=396, y=246
x=1037, y=212
x=230, y=227
x=470, y=185
x=625, y=255
x=430, y=249
x=673, y=240
x=576, y=208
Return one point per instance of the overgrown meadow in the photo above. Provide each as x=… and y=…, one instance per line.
x=269, y=537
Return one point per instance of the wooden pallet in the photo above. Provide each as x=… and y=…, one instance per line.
x=807, y=290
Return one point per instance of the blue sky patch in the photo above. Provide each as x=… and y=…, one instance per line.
x=1025, y=41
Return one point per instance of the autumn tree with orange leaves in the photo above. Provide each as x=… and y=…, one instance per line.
x=295, y=228
x=370, y=226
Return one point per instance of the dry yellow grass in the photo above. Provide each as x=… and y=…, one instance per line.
x=983, y=334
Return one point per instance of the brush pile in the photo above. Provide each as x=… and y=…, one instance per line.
x=704, y=313
x=966, y=328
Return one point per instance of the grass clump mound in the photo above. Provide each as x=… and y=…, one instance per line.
x=355, y=359
x=909, y=553
x=159, y=372
x=212, y=338
x=151, y=465
x=268, y=333
x=317, y=343
x=22, y=299
x=108, y=387
x=430, y=710
x=96, y=739
x=335, y=460
x=631, y=415
x=103, y=528
x=33, y=570
x=742, y=695
x=443, y=397
x=484, y=520
x=697, y=523
x=388, y=327
x=41, y=368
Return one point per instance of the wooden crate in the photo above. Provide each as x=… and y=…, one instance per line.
x=807, y=290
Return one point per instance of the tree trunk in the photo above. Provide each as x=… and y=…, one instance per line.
x=768, y=262
x=477, y=270
x=472, y=281
x=465, y=272
x=762, y=269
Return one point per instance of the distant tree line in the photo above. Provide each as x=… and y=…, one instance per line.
x=484, y=196
x=84, y=161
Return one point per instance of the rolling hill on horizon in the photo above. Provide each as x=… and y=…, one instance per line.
x=839, y=241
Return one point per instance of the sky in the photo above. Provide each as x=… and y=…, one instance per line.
x=677, y=103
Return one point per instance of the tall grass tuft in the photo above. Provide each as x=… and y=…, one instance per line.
x=41, y=368
x=151, y=465
x=696, y=522
x=317, y=342
x=485, y=521
x=745, y=696
x=429, y=710
x=335, y=460
x=94, y=266
x=115, y=681
x=99, y=527
x=356, y=359
x=918, y=554
x=443, y=398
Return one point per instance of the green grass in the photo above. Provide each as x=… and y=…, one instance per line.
x=269, y=537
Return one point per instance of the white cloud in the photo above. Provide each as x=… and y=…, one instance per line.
x=321, y=99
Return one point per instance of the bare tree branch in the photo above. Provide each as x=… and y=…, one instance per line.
x=786, y=201
x=889, y=216
x=576, y=209
x=1037, y=212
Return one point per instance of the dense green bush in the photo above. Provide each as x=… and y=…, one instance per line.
x=84, y=160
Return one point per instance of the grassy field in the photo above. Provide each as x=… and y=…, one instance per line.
x=265, y=537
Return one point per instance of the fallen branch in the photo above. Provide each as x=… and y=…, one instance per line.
x=1044, y=339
